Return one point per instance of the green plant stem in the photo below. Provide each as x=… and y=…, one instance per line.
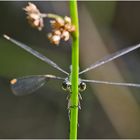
x=75, y=71
x=50, y=15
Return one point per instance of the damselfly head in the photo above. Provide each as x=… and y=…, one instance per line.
x=66, y=85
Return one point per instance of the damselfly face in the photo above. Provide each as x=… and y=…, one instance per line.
x=66, y=85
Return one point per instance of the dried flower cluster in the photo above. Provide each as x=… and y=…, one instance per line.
x=34, y=17
x=61, y=27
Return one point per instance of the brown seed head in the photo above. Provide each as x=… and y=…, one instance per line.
x=62, y=27
x=55, y=39
x=57, y=32
x=31, y=8
x=34, y=17
x=67, y=20
x=65, y=35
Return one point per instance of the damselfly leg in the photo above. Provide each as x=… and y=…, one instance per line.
x=69, y=106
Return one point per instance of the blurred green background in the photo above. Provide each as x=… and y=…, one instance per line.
x=107, y=111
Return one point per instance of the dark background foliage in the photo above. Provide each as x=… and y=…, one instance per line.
x=107, y=111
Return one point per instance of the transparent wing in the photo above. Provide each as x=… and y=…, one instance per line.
x=26, y=85
x=35, y=53
x=111, y=83
x=110, y=58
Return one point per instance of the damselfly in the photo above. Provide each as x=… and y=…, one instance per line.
x=29, y=84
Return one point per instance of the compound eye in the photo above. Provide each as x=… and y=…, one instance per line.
x=66, y=86
x=82, y=86
x=69, y=87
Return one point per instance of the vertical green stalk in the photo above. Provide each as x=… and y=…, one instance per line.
x=75, y=71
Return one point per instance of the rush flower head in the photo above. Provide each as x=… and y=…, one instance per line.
x=34, y=17
x=62, y=27
x=54, y=38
